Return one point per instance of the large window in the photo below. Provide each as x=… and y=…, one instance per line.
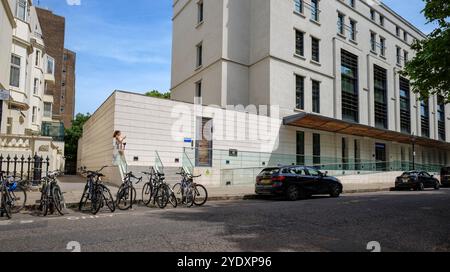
x=198, y=89
x=316, y=149
x=315, y=10
x=405, y=105
x=350, y=95
x=352, y=30
x=200, y=11
x=441, y=118
x=373, y=42
x=300, y=92
x=425, y=118
x=199, y=55
x=47, y=110
x=315, y=49
x=316, y=96
x=380, y=91
x=36, y=86
x=341, y=24
x=14, y=78
x=298, y=6
x=50, y=65
x=21, y=10
x=382, y=46
x=34, y=115
x=300, y=148
x=299, y=43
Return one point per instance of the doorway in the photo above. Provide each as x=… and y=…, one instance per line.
x=380, y=157
x=204, y=142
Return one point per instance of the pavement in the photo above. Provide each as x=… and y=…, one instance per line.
x=397, y=221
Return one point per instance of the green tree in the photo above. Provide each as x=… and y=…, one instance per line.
x=73, y=134
x=158, y=94
x=429, y=69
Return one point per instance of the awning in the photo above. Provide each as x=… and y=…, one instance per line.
x=318, y=122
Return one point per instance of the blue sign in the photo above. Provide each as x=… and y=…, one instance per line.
x=188, y=140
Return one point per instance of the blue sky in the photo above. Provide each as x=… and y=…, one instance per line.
x=128, y=47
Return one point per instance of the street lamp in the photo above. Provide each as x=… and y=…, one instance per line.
x=414, y=150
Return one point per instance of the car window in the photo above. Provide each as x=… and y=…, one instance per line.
x=300, y=171
x=425, y=174
x=313, y=172
x=270, y=171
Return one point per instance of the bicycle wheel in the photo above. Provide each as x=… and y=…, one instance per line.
x=200, y=195
x=6, y=205
x=189, y=198
x=125, y=197
x=58, y=200
x=97, y=201
x=108, y=198
x=44, y=203
x=161, y=197
x=19, y=199
x=178, y=193
x=84, y=198
x=147, y=192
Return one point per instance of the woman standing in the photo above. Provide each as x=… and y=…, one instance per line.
x=119, y=150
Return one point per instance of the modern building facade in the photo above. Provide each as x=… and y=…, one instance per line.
x=332, y=66
x=63, y=89
x=25, y=104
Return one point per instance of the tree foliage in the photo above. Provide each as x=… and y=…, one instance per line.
x=73, y=134
x=429, y=69
x=158, y=94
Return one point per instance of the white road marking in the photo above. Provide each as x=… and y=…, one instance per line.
x=5, y=223
x=26, y=222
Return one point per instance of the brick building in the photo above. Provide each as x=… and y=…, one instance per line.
x=63, y=89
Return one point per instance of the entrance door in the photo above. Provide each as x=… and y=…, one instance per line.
x=1, y=114
x=204, y=143
x=380, y=157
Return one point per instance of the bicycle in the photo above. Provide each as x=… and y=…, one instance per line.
x=96, y=192
x=188, y=192
x=157, y=189
x=51, y=195
x=18, y=193
x=6, y=201
x=127, y=193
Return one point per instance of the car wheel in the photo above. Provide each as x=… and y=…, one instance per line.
x=421, y=187
x=293, y=193
x=437, y=186
x=335, y=191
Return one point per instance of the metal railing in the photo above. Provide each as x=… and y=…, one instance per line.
x=27, y=169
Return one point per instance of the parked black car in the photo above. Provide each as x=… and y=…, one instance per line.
x=296, y=182
x=417, y=180
x=445, y=177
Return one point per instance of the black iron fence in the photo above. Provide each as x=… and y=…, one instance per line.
x=26, y=168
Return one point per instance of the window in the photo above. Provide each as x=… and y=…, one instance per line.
x=21, y=10
x=380, y=91
x=316, y=96
x=47, y=110
x=36, y=86
x=14, y=78
x=38, y=58
x=381, y=20
x=399, y=56
x=315, y=49
x=441, y=118
x=357, y=151
x=350, y=94
x=405, y=36
x=9, y=125
x=199, y=55
x=200, y=12
x=300, y=92
x=397, y=31
x=345, y=161
x=405, y=106
x=298, y=6
x=299, y=43
x=62, y=110
x=372, y=14
x=352, y=30
x=351, y=3
x=316, y=148
x=300, y=148
x=425, y=118
x=382, y=46
x=50, y=65
x=341, y=23
x=405, y=56
x=373, y=42
x=315, y=10
x=34, y=114
x=198, y=89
